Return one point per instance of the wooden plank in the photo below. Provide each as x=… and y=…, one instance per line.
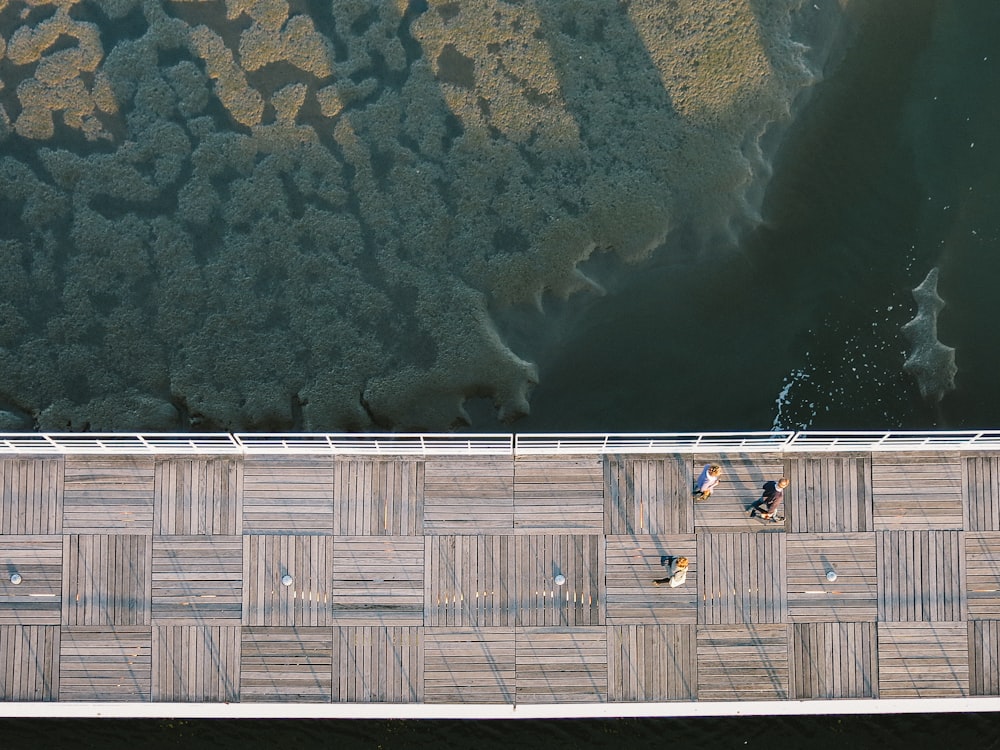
x=742, y=481
x=830, y=494
x=923, y=659
x=922, y=492
x=918, y=573
x=306, y=600
x=652, y=663
x=29, y=662
x=37, y=600
x=197, y=580
x=468, y=495
x=106, y=579
x=982, y=574
x=195, y=663
x=561, y=665
x=833, y=660
x=108, y=494
x=285, y=495
x=288, y=664
x=378, y=496
x=469, y=665
x=377, y=580
x=632, y=563
x=852, y=597
x=742, y=662
x=647, y=495
x=743, y=579
x=378, y=664
x=198, y=495
x=105, y=663
x=558, y=495
x=31, y=495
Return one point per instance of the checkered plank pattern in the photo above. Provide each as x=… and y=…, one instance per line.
x=198, y=496
x=31, y=495
x=830, y=494
x=108, y=494
x=286, y=664
x=647, y=495
x=652, y=663
x=105, y=663
x=197, y=580
x=568, y=665
x=37, y=600
x=834, y=660
x=378, y=496
x=378, y=664
x=466, y=665
x=923, y=659
x=742, y=662
x=288, y=495
x=195, y=663
x=29, y=662
x=917, y=492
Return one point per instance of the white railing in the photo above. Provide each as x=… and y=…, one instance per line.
x=678, y=442
x=501, y=444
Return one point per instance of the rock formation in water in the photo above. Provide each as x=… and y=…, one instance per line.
x=261, y=214
x=931, y=363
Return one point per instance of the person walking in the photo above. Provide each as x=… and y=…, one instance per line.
x=677, y=568
x=769, y=503
x=710, y=476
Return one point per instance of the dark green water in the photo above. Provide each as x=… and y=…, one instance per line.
x=893, y=168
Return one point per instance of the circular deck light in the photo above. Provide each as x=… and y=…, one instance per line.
x=560, y=579
x=831, y=575
x=286, y=580
x=15, y=578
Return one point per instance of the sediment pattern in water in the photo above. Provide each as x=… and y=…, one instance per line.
x=271, y=214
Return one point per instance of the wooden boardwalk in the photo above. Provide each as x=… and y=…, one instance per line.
x=309, y=578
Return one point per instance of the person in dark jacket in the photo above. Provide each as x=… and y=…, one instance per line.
x=767, y=506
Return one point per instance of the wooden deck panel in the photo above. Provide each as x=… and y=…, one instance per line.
x=470, y=581
x=108, y=495
x=984, y=657
x=105, y=663
x=830, y=494
x=834, y=660
x=378, y=664
x=920, y=576
x=287, y=495
x=31, y=495
x=106, y=579
x=198, y=496
x=652, y=663
x=29, y=662
x=469, y=496
x=568, y=665
x=540, y=601
x=195, y=663
x=981, y=493
x=742, y=578
x=377, y=580
x=982, y=574
x=647, y=495
x=742, y=662
x=558, y=496
x=286, y=664
x=197, y=580
x=37, y=600
x=443, y=610
x=919, y=492
x=923, y=659
x=852, y=597
x=267, y=600
x=742, y=484
x=378, y=496
x=632, y=564
x=464, y=665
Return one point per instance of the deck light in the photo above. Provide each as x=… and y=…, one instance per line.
x=286, y=580
x=560, y=579
x=831, y=575
x=15, y=578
